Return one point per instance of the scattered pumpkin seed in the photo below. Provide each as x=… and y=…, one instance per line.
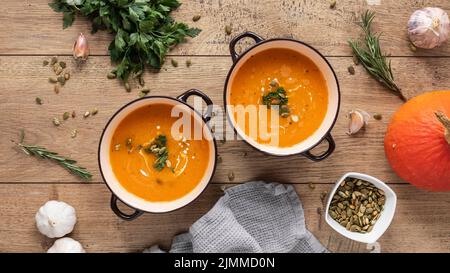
x=45, y=63
x=196, y=18
x=52, y=80
x=355, y=60
x=56, y=121
x=61, y=80
x=332, y=4
x=74, y=114
x=127, y=87
x=228, y=29
x=219, y=159
x=74, y=133
x=351, y=70
x=59, y=70
x=111, y=75
x=56, y=89
x=412, y=47
x=54, y=60
x=311, y=186
x=38, y=101
x=231, y=176
x=141, y=81
x=66, y=115
x=67, y=76
x=174, y=63
x=94, y=111
x=188, y=63
x=62, y=64
x=86, y=114
x=378, y=116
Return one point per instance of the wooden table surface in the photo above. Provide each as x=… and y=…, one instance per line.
x=31, y=32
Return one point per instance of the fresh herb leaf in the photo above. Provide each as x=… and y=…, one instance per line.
x=66, y=163
x=277, y=97
x=371, y=56
x=144, y=30
x=158, y=147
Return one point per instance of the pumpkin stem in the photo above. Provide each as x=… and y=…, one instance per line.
x=446, y=123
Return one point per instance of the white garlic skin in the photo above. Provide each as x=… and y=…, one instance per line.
x=66, y=245
x=428, y=27
x=55, y=219
x=357, y=119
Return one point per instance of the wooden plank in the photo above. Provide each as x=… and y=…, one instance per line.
x=38, y=30
x=24, y=78
x=421, y=223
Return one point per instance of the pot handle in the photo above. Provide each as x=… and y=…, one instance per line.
x=327, y=153
x=195, y=92
x=124, y=216
x=236, y=39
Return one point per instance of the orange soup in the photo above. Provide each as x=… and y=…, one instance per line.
x=288, y=80
x=151, y=163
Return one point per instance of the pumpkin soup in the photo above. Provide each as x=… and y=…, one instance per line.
x=151, y=163
x=287, y=82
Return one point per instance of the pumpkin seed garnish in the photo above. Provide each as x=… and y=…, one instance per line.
x=196, y=18
x=219, y=159
x=74, y=114
x=45, y=63
x=74, y=133
x=378, y=116
x=231, y=176
x=52, y=80
x=86, y=114
x=188, y=63
x=174, y=63
x=351, y=70
x=54, y=60
x=111, y=75
x=228, y=29
x=117, y=147
x=94, y=111
x=127, y=87
x=356, y=205
x=61, y=80
x=66, y=115
x=56, y=89
x=311, y=186
x=62, y=64
x=332, y=4
x=56, y=121
x=38, y=101
x=67, y=76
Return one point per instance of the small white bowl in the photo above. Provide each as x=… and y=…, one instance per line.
x=383, y=222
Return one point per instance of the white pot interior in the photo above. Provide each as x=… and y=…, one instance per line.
x=131, y=199
x=333, y=97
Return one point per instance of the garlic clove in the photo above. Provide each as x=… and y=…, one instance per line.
x=357, y=120
x=81, y=48
x=66, y=245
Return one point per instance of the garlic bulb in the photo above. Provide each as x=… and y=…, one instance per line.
x=66, y=245
x=357, y=119
x=81, y=48
x=428, y=27
x=55, y=219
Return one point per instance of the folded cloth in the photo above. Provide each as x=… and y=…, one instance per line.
x=253, y=217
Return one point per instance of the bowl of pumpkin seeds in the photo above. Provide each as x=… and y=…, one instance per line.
x=360, y=207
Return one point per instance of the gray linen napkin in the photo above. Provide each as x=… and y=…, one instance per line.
x=252, y=217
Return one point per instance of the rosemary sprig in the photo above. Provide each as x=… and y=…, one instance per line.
x=68, y=164
x=371, y=55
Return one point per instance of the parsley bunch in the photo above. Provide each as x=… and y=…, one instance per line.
x=144, y=30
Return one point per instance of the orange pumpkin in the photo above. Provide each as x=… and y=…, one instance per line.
x=417, y=142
